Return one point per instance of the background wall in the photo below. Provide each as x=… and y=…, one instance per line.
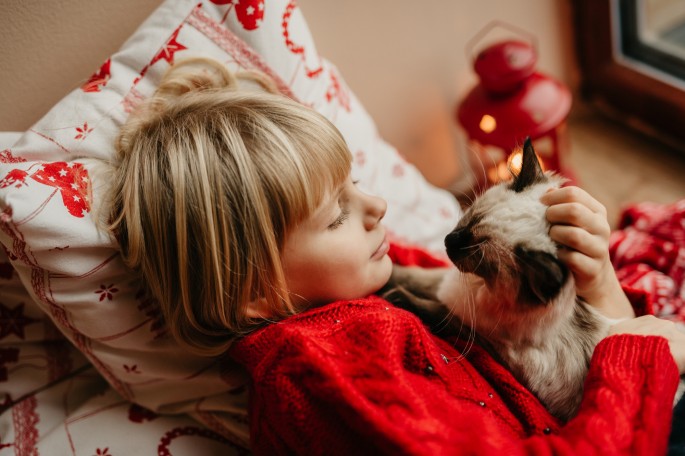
x=406, y=60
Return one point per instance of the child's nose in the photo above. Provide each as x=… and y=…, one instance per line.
x=374, y=210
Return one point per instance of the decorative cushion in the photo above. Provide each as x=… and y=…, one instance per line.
x=50, y=192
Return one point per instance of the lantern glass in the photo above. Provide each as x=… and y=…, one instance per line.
x=492, y=164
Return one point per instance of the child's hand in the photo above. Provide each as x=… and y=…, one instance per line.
x=580, y=226
x=649, y=325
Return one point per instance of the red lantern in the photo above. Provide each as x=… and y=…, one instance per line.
x=512, y=102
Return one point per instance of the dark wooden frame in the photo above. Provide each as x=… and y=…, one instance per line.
x=637, y=98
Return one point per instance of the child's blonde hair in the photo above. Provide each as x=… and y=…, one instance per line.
x=208, y=181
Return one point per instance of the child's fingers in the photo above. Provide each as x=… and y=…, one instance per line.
x=582, y=266
x=572, y=194
x=578, y=239
x=579, y=215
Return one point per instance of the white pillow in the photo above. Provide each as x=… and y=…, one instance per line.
x=73, y=270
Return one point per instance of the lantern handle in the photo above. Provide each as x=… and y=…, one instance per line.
x=470, y=45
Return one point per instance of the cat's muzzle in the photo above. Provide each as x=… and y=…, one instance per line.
x=468, y=252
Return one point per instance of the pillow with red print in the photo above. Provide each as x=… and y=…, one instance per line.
x=50, y=191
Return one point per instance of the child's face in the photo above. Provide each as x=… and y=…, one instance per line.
x=340, y=251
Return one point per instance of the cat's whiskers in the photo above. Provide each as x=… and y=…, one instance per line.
x=471, y=337
x=474, y=314
x=476, y=249
x=479, y=160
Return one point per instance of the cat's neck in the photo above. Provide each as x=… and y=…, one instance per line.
x=495, y=314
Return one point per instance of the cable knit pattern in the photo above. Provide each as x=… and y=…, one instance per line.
x=364, y=377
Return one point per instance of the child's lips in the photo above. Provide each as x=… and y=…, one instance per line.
x=382, y=249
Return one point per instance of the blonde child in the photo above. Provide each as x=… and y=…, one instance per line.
x=236, y=205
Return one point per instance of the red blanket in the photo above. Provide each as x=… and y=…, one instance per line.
x=648, y=253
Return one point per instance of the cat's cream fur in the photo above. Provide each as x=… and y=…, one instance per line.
x=547, y=346
x=510, y=288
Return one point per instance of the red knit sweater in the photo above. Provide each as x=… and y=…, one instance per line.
x=364, y=377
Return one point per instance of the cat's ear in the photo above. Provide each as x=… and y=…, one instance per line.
x=531, y=171
x=542, y=275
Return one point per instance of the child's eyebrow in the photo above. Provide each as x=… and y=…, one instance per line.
x=329, y=200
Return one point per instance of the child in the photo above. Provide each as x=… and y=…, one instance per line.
x=238, y=208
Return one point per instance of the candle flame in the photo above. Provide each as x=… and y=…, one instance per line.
x=488, y=123
x=515, y=162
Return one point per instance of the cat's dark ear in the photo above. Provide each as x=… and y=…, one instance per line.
x=531, y=171
x=542, y=275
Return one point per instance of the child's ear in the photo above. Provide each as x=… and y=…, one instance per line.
x=258, y=309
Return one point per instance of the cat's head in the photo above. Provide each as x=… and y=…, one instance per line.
x=503, y=237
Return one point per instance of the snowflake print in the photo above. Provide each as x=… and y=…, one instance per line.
x=102, y=452
x=82, y=132
x=398, y=170
x=445, y=212
x=131, y=369
x=106, y=292
x=360, y=158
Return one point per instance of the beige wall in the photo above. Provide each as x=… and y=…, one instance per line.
x=405, y=59
x=50, y=47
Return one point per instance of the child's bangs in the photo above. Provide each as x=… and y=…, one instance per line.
x=326, y=169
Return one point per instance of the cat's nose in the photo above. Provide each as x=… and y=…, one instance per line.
x=457, y=242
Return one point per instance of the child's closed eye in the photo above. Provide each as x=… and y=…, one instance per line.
x=344, y=214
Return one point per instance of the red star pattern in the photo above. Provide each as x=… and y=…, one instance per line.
x=170, y=49
x=72, y=182
x=13, y=321
x=16, y=177
x=250, y=12
x=99, y=79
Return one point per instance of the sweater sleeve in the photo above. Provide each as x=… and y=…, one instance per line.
x=367, y=389
x=627, y=403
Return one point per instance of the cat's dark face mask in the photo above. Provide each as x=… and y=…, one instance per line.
x=540, y=276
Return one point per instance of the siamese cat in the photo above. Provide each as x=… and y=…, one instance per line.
x=512, y=290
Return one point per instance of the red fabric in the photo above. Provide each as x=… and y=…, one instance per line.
x=364, y=377
x=648, y=253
